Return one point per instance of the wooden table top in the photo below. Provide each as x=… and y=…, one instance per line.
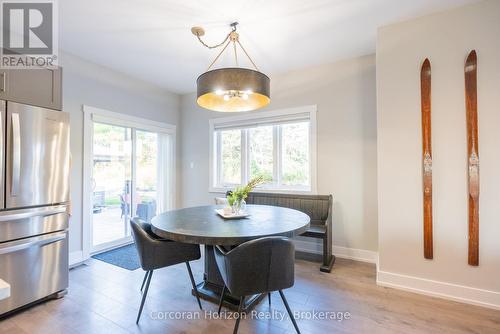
x=202, y=225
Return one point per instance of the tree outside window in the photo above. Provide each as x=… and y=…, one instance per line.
x=279, y=152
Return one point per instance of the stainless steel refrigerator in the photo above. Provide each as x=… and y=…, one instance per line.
x=34, y=194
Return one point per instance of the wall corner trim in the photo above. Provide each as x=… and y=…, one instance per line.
x=444, y=290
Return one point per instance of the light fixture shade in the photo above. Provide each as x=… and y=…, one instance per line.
x=233, y=89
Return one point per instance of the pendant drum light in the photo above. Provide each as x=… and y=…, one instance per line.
x=231, y=89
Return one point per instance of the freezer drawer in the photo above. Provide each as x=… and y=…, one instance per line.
x=37, y=156
x=17, y=224
x=34, y=267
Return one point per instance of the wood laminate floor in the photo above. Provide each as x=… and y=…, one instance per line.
x=104, y=299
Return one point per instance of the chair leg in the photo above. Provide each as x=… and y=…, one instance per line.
x=269, y=298
x=240, y=309
x=222, y=298
x=194, y=285
x=144, y=296
x=144, y=280
x=289, y=311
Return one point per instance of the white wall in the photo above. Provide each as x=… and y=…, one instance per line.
x=345, y=95
x=446, y=39
x=97, y=86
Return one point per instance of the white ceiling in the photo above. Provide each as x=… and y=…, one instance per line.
x=151, y=39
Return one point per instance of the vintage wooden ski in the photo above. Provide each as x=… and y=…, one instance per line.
x=473, y=155
x=425, y=103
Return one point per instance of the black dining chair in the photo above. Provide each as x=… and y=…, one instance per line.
x=259, y=266
x=155, y=253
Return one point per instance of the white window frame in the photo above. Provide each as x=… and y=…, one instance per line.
x=91, y=115
x=263, y=117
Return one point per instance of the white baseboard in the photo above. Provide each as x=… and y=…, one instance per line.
x=362, y=255
x=75, y=258
x=341, y=252
x=460, y=293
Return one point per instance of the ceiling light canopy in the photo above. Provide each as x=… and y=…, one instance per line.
x=231, y=89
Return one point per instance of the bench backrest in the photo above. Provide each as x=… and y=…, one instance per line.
x=317, y=207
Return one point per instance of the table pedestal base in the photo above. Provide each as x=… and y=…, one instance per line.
x=211, y=292
x=211, y=287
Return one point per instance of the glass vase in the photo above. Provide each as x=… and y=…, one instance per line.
x=239, y=206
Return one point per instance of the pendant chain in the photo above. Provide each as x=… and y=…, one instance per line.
x=213, y=46
x=230, y=37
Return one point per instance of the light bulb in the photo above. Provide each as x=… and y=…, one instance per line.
x=219, y=92
x=226, y=97
x=248, y=92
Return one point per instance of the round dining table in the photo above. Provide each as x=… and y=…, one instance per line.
x=204, y=226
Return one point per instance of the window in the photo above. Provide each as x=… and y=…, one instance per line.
x=230, y=156
x=295, y=154
x=277, y=144
x=260, y=146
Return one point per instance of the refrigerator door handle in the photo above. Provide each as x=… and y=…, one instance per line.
x=16, y=154
x=14, y=246
x=3, y=88
x=1, y=153
x=3, y=115
x=24, y=215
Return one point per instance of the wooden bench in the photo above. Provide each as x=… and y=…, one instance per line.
x=317, y=207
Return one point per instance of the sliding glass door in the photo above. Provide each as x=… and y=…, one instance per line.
x=153, y=161
x=146, y=175
x=130, y=178
x=111, y=183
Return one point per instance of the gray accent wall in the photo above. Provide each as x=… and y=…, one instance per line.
x=345, y=95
